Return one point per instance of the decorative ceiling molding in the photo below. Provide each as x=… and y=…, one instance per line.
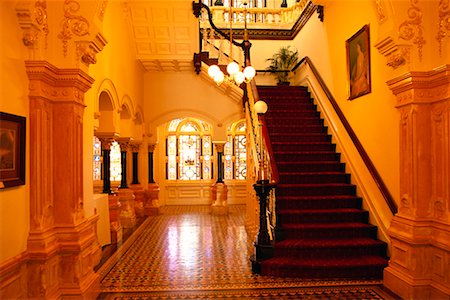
x=167, y=65
x=165, y=33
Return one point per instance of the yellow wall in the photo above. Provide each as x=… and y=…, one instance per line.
x=169, y=95
x=14, y=202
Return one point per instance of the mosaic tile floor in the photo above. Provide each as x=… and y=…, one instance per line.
x=187, y=253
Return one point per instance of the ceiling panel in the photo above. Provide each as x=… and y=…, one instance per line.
x=165, y=33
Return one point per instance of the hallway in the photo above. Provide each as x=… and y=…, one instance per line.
x=187, y=253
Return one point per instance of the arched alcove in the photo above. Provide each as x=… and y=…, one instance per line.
x=106, y=113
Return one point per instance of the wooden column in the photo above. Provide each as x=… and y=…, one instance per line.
x=420, y=232
x=62, y=244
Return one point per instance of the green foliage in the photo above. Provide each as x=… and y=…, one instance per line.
x=283, y=60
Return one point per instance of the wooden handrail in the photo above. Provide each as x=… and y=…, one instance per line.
x=265, y=134
x=275, y=178
x=362, y=152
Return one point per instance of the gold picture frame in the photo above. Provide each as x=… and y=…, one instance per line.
x=12, y=150
x=358, y=63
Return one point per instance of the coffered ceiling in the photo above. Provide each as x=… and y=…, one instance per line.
x=165, y=33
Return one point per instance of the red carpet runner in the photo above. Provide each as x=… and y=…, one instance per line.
x=323, y=231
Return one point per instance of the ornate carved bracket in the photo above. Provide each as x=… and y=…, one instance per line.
x=33, y=21
x=396, y=55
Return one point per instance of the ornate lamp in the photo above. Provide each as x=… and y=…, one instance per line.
x=235, y=75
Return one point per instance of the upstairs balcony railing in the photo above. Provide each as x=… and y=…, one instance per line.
x=259, y=17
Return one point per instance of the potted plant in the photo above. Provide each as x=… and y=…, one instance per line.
x=282, y=62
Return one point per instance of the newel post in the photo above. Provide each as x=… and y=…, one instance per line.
x=263, y=245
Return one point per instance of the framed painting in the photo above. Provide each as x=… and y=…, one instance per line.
x=358, y=63
x=12, y=150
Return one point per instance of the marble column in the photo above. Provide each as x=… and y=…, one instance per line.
x=138, y=190
x=420, y=231
x=106, y=164
x=126, y=195
x=151, y=205
x=219, y=190
x=62, y=246
x=116, y=229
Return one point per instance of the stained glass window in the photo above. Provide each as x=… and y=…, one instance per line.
x=189, y=150
x=240, y=154
x=115, y=162
x=189, y=155
x=97, y=167
x=172, y=157
x=235, y=152
x=207, y=154
x=228, y=155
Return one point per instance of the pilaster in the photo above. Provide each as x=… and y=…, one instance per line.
x=62, y=244
x=420, y=232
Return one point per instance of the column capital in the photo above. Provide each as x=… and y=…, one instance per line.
x=421, y=87
x=220, y=145
x=151, y=147
x=124, y=143
x=135, y=146
x=57, y=85
x=106, y=142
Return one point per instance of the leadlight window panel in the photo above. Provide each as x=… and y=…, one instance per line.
x=97, y=163
x=189, y=127
x=172, y=157
x=240, y=148
x=174, y=125
x=189, y=157
x=241, y=127
x=207, y=155
x=228, y=155
x=115, y=162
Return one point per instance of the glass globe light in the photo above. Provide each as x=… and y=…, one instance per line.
x=232, y=68
x=239, y=77
x=260, y=107
x=213, y=70
x=219, y=77
x=249, y=72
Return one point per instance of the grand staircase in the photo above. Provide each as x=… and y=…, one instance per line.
x=322, y=231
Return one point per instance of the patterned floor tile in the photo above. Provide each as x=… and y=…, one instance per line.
x=187, y=253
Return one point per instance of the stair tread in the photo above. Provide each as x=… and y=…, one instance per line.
x=328, y=262
x=307, y=152
x=321, y=211
x=341, y=225
x=311, y=162
x=317, y=197
x=314, y=184
x=308, y=243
